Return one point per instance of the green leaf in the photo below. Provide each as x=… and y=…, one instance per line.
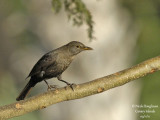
x=56, y=5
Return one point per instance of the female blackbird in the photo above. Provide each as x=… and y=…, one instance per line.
x=53, y=64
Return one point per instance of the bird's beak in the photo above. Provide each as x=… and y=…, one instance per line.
x=87, y=48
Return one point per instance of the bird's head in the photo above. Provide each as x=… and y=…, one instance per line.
x=76, y=47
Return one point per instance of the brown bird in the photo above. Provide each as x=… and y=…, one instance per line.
x=53, y=64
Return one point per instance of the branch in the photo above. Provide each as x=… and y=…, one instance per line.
x=77, y=12
x=82, y=90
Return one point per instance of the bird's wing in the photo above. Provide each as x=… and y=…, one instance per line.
x=43, y=63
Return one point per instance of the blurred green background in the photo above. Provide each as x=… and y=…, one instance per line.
x=127, y=32
x=146, y=15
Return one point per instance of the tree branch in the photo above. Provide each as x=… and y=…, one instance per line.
x=77, y=12
x=82, y=90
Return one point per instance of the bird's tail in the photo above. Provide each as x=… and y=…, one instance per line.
x=26, y=90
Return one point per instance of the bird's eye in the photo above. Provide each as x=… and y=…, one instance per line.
x=78, y=46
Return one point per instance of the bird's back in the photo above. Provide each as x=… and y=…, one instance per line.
x=51, y=64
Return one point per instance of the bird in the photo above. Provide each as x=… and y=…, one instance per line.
x=53, y=64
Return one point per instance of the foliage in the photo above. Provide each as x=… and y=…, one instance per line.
x=77, y=12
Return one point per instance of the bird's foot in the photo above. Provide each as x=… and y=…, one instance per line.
x=50, y=87
x=71, y=85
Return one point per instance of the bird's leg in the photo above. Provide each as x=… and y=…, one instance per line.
x=69, y=84
x=50, y=86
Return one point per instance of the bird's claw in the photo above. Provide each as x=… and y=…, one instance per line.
x=71, y=85
x=52, y=87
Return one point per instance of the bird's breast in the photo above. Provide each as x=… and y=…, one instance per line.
x=64, y=63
